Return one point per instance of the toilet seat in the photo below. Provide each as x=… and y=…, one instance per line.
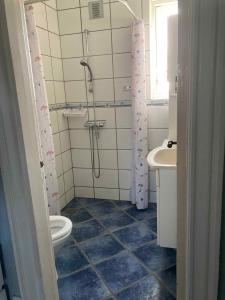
x=60, y=227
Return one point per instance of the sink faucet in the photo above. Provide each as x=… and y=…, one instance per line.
x=171, y=143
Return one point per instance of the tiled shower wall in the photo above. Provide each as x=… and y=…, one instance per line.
x=48, y=31
x=110, y=47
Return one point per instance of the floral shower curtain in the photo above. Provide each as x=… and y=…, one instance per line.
x=47, y=154
x=139, y=193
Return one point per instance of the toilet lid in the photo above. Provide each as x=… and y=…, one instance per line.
x=60, y=226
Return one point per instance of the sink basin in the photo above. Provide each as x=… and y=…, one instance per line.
x=162, y=158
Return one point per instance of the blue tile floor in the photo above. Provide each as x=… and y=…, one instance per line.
x=112, y=254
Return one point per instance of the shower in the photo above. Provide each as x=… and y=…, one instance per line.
x=93, y=125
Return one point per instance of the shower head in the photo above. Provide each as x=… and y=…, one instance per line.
x=85, y=64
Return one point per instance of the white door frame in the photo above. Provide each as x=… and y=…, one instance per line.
x=201, y=131
x=19, y=160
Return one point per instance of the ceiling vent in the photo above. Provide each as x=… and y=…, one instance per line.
x=96, y=9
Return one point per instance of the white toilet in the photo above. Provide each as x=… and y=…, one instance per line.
x=61, y=228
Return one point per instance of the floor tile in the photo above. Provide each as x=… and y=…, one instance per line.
x=146, y=289
x=142, y=214
x=102, y=209
x=69, y=242
x=101, y=248
x=120, y=271
x=69, y=211
x=152, y=224
x=87, y=202
x=70, y=259
x=123, y=204
x=116, y=220
x=169, y=278
x=83, y=285
x=80, y=215
x=135, y=235
x=87, y=230
x=73, y=204
x=156, y=258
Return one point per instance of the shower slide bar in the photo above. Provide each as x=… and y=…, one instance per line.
x=100, y=104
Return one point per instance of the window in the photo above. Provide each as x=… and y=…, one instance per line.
x=161, y=11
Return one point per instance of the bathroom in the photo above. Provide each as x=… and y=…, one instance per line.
x=89, y=91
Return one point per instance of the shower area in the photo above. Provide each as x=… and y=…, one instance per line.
x=86, y=49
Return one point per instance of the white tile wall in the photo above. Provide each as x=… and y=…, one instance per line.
x=46, y=17
x=109, y=49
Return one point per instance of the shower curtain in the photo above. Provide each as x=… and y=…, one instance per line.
x=139, y=192
x=47, y=154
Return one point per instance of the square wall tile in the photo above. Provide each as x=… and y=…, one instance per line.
x=108, y=179
x=61, y=185
x=147, y=62
x=72, y=69
x=69, y=195
x=69, y=21
x=75, y=91
x=68, y=179
x=62, y=201
x=107, y=114
x=152, y=181
x=57, y=69
x=156, y=137
x=59, y=92
x=125, y=195
x=54, y=121
x=152, y=197
x=55, y=45
x=78, y=122
x=59, y=167
x=65, y=140
x=56, y=142
x=103, y=90
x=124, y=139
x=40, y=15
x=124, y=117
x=82, y=177
x=122, y=65
x=108, y=159
x=158, y=116
x=43, y=41
x=85, y=192
x=47, y=65
x=80, y=138
x=121, y=40
x=72, y=45
x=52, y=19
x=121, y=17
x=147, y=37
x=125, y=179
x=107, y=139
x=125, y=159
x=96, y=24
x=96, y=45
x=122, y=89
x=65, y=4
x=146, y=11
x=66, y=160
x=81, y=158
x=52, y=3
x=50, y=91
x=111, y=194
x=62, y=121
x=101, y=66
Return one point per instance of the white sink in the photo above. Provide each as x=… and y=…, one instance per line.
x=162, y=157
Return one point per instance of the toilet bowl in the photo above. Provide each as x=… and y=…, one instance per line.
x=61, y=228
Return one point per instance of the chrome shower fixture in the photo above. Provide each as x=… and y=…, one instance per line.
x=85, y=64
